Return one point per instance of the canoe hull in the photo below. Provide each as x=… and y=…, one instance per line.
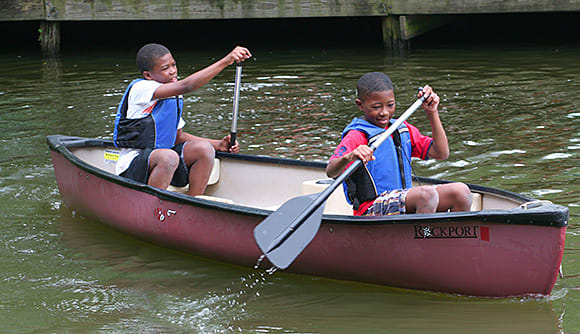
x=471, y=258
x=466, y=255
x=197, y=229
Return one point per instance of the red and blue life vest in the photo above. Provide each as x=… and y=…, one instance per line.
x=156, y=130
x=388, y=171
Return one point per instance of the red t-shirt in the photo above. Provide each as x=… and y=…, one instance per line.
x=354, y=138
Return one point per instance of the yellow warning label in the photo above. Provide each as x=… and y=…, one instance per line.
x=111, y=156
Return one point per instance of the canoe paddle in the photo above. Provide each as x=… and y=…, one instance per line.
x=236, y=104
x=286, y=232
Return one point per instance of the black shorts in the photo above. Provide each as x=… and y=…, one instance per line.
x=139, y=168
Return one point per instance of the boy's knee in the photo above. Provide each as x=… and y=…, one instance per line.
x=429, y=194
x=208, y=150
x=166, y=158
x=463, y=196
x=200, y=149
x=426, y=198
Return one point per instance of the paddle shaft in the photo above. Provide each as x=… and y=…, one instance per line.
x=323, y=196
x=236, y=104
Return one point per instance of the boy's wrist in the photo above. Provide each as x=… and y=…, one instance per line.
x=433, y=113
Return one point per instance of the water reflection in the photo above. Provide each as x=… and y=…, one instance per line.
x=371, y=310
x=51, y=83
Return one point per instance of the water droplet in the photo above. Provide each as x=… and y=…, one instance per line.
x=260, y=259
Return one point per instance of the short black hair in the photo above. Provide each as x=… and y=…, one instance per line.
x=147, y=55
x=373, y=82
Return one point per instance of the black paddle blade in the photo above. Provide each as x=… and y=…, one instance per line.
x=286, y=232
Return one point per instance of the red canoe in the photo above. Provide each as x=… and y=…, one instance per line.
x=508, y=245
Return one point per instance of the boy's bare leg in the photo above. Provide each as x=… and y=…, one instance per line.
x=423, y=199
x=198, y=156
x=454, y=196
x=162, y=165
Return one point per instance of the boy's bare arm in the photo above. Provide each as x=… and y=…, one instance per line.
x=201, y=77
x=218, y=145
x=440, y=148
x=336, y=166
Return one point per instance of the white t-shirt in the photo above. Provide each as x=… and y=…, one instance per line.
x=139, y=104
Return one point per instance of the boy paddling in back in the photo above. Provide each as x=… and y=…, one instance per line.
x=384, y=188
x=149, y=125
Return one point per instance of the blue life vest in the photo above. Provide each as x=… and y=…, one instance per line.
x=156, y=130
x=385, y=170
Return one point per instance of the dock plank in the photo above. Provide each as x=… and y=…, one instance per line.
x=21, y=10
x=88, y=10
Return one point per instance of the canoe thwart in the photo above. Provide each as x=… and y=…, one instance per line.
x=213, y=178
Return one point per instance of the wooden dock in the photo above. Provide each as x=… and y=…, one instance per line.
x=402, y=19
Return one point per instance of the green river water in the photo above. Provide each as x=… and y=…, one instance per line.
x=512, y=116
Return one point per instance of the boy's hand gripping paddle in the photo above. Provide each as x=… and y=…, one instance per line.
x=236, y=104
x=286, y=232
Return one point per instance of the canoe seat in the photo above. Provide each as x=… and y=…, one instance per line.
x=213, y=178
x=476, y=204
x=215, y=199
x=335, y=204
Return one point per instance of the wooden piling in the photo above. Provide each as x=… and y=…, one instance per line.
x=393, y=38
x=49, y=37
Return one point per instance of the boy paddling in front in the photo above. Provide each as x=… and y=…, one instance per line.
x=149, y=125
x=386, y=188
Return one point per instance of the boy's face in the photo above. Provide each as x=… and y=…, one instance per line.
x=164, y=70
x=378, y=107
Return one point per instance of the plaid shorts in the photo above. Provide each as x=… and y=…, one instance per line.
x=389, y=203
x=139, y=168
